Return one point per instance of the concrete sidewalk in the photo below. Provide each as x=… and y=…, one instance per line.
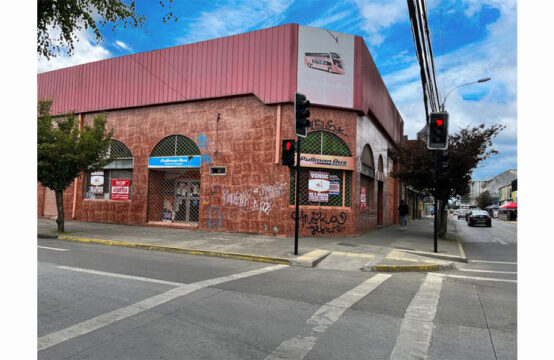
x=387, y=249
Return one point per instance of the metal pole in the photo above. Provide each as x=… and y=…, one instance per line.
x=436, y=212
x=297, y=197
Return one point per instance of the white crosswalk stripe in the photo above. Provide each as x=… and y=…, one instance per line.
x=417, y=326
x=299, y=346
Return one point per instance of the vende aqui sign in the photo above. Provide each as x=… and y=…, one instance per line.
x=120, y=189
x=318, y=186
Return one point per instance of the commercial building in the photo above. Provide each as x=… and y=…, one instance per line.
x=199, y=127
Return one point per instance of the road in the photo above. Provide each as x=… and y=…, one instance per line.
x=104, y=302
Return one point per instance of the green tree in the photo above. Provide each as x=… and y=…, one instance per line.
x=484, y=199
x=71, y=16
x=466, y=149
x=64, y=151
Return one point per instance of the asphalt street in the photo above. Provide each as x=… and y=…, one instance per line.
x=103, y=302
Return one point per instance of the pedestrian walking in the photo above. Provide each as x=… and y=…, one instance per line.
x=403, y=211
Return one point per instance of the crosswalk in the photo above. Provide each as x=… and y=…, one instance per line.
x=416, y=299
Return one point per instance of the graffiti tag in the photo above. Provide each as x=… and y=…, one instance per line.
x=203, y=143
x=214, y=219
x=258, y=199
x=318, y=124
x=320, y=223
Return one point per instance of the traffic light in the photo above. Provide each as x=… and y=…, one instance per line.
x=438, y=131
x=287, y=153
x=443, y=159
x=301, y=114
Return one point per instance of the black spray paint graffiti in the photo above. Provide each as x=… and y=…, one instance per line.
x=318, y=222
x=318, y=124
x=214, y=219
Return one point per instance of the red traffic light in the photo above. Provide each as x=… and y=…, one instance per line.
x=439, y=122
x=288, y=145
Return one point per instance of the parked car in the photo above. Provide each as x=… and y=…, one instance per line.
x=479, y=217
x=462, y=213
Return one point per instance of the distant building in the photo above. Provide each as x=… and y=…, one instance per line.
x=493, y=186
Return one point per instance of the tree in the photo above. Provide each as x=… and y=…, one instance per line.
x=484, y=199
x=64, y=151
x=71, y=16
x=466, y=149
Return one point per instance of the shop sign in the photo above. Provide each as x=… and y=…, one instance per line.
x=97, y=182
x=327, y=161
x=120, y=189
x=363, y=198
x=318, y=186
x=174, y=162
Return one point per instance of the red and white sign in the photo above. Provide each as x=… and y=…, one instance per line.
x=97, y=182
x=120, y=189
x=363, y=204
x=318, y=186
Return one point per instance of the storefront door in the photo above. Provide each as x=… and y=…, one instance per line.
x=187, y=200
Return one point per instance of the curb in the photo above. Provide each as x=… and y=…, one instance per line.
x=437, y=255
x=310, y=259
x=226, y=255
x=406, y=268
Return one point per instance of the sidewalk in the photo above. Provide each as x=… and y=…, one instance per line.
x=396, y=250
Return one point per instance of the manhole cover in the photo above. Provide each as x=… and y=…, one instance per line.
x=347, y=244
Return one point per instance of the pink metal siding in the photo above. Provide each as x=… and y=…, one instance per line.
x=263, y=63
x=371, y=95
x=257, y=62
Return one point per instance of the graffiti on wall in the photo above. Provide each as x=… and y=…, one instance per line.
x=215, y=218
x=259, y=199
x=318, y=124
x=319, y=223
x=203, y=143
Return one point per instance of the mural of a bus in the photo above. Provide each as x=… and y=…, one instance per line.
x=328, y=61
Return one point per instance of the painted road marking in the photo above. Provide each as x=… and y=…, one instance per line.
x=122, y=276
x=298, y=347
x=475, y=278
x=493, y=262
x=98, y=322
x=51, y=248
x=417, y=326
x=500, y=241
x=501, y=228
x=490, y=271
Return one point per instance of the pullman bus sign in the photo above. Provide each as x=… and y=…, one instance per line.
x=327, y=161
x=174, y=162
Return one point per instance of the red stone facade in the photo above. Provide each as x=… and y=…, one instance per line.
x=253, y=196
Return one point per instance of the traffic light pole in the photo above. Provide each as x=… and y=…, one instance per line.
x=435, y=213
x=297, y=199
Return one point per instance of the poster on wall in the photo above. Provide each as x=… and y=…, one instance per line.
x=363, y=198
x=120, y=189
x=326, y=66
x=97, y=182
x=318, y=186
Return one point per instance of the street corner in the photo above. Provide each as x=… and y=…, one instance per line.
x=310, y=259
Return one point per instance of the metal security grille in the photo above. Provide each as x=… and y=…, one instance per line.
x=175, y=145
x=323, y=143
x=120, y=168
x=174, y=194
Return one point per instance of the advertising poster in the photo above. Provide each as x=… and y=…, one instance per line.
x=334, y=186
x=363, y=198
x=120, y=189
x=326, y=66
x=97, y=182
x=318, y=186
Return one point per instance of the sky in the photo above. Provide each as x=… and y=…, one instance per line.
x=471, y=40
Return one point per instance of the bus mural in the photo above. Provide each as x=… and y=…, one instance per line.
x=330, y=62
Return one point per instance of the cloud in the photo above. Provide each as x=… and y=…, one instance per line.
x=235, y=18
x=379, y=15
x=122, y=45
x=322, y=22
x=85, y=51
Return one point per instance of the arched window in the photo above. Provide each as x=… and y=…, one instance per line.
x=175, y=145
x=367, y=176
x=339, y=181
x=98, y=184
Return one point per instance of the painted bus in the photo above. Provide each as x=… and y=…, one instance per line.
x=328, y=61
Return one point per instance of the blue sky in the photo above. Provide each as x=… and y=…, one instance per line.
x=471, y=39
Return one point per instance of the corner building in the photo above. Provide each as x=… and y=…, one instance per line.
x=199, y=128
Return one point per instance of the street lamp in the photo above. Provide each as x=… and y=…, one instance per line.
x=474, y=82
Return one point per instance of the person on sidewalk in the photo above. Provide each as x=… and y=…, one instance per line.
x=403, y=210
